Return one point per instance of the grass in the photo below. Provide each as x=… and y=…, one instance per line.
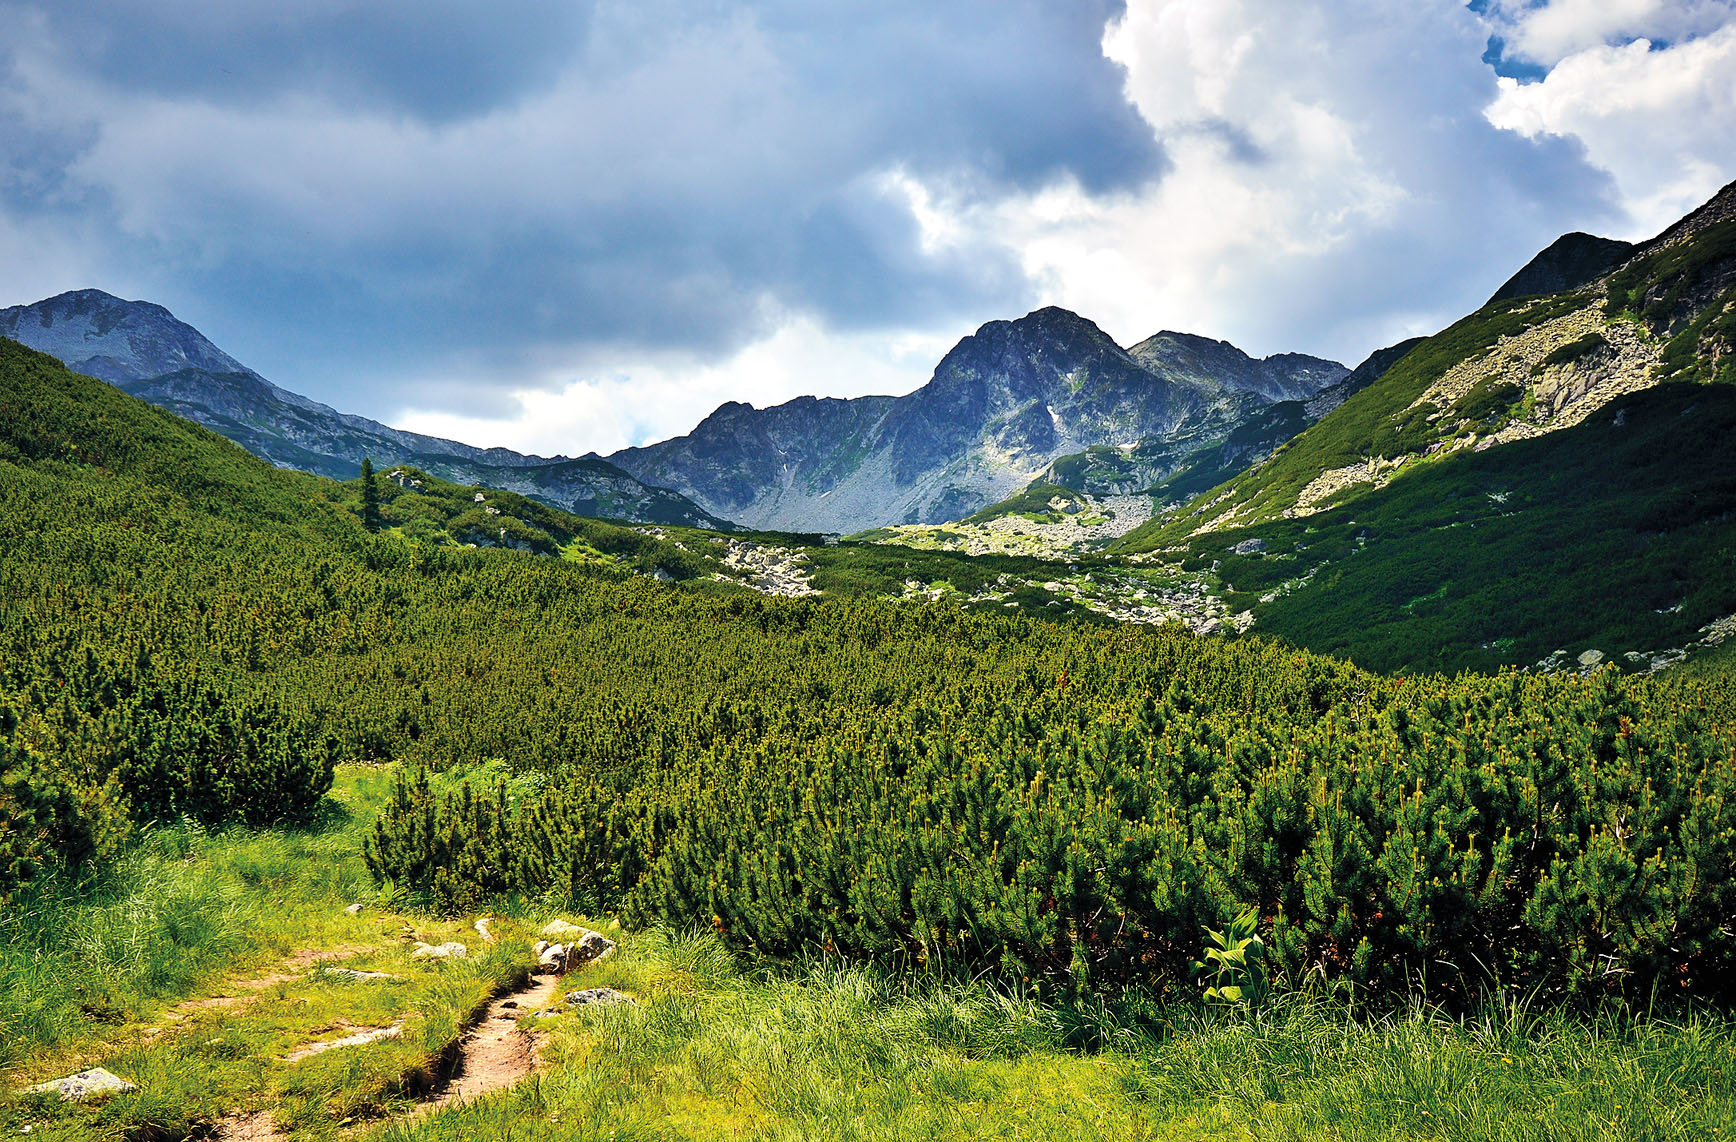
x=182, y=907
x=1606, y=535
x=90, y=976
x=715, y=1047
x=1307, y=1069
x=826, y=1052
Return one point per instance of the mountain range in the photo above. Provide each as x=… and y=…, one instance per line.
x=144, y=350
x=1003, y=406
x=1548, y=482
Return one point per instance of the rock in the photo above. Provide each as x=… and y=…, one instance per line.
x=451, y=950
x=481, y=927
x=94, y=1083
x=1248, y=547
x=587, y=949
x=562, y=930
x=356, y=976
x=597, y=997
x=353, y=910
x=592, y=947
x=1591, y=658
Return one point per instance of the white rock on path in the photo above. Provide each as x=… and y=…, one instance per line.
x=451, y=950
x=84, y=1085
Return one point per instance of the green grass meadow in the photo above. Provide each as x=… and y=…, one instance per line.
x=722, y=1046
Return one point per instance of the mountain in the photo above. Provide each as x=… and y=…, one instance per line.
x=1571, y=261
x=1174, y=470
x=1555, y=472
x=142, y=349
x=1001, y=407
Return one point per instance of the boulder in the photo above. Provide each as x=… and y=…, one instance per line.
x=353, y=910
x=94, y=1083
x=588, y=949
x=1249, y=547
x=1591, y=658
x=481, y=927
x=597, y=997
x=447, y=951
x=560, y=930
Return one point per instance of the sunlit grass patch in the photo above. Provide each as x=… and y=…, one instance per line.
x=712, y=1051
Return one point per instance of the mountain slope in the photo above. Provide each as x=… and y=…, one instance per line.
x=1002, y=406
x=1518, y=368
x=1555, y=472
x=142, y=349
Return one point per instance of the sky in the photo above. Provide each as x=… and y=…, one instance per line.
x=563, y=226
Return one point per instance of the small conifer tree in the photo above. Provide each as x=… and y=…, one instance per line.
x=370, y=496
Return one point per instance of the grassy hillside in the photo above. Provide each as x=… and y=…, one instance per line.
x=1615, y=535
x=1378, y=423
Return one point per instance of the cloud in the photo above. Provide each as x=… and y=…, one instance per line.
x=570, y=225
x=1333, y=184
x=355, y=195
x=1551, y=32
x=1660, y=119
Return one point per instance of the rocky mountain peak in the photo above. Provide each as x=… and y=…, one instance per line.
x=1569, y=262
x=1205, y=360
x=103, y=336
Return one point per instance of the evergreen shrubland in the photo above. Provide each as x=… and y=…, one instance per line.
x=185, y=632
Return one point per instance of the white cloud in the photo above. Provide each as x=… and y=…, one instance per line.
x=1332, y=185
x=1661, y=121
x=1553, y=31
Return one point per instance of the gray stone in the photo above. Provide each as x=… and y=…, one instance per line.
x=353, y=910
x=562, y=930
x=586, y=947
x=1591, y=658
x=451, y=950
x=94, y=1083
x=1248, y=547
x=597, y=997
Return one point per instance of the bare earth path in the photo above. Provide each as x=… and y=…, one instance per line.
x=496, y=1054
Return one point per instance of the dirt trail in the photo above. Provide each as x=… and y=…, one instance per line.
x=496, y=1053
x=256, y=1127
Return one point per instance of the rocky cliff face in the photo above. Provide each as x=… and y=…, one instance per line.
x=143, y=349
x=1002, y=406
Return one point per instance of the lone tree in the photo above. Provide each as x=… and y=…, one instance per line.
x=370, y=496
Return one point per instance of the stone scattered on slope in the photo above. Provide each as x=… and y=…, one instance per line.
x=588, y=949
x=597, y=997
x=451, y=950
x=85, y=1085
x=562, y=929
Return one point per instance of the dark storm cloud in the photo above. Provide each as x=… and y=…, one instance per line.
x=352, y=190
x=436, y=59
